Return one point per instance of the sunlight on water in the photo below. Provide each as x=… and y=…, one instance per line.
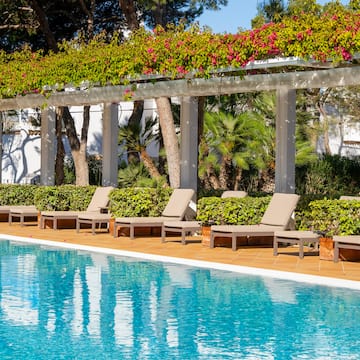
x=66, y=304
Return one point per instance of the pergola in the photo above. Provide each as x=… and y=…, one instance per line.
x=284, y=75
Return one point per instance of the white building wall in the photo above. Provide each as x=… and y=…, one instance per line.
x=21, y=145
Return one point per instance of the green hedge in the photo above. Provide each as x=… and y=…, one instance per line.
x=11, y=194
x=241, y=211
x=139, y=201
x=64, y=197
x=333, y=217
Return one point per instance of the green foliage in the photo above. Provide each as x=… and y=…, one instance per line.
x=139, y=201
x=333, y=217
x=239, y=211
x=17, y=194
x=66, y=197
x=176, y=52
x=330, y=175
x=136, y=175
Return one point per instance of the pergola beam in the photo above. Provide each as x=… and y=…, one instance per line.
x=346, y=76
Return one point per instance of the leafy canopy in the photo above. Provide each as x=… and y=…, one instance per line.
x=175, y=52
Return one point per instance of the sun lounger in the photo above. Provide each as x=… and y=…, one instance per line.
x=296, y=237
x=277, y=217
x=232, y=193
x=22, y=212
x=175, y=210
x=345, y=197
x=99, y=201
x=180, y=227
x=345, y=242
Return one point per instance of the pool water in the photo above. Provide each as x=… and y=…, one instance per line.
x=67, y=304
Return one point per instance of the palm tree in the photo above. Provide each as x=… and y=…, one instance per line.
x=236, y=142
x=135, y=138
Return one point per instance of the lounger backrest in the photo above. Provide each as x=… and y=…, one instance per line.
x=280, y=209
x=344, y=197
x=235, y=194
x=100, y=198
x=178, y=203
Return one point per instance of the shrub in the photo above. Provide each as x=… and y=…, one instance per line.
x=11, y=194
x=64, y=197
x=139, y=201
x=241, y=211
x=333, y=217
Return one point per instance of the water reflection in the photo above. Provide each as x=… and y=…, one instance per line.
x=92, y=306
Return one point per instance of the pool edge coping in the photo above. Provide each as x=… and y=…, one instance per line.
x=247, y=270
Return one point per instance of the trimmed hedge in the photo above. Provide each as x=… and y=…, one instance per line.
x=139, y=201
x=333, y=217
x=64, y=197
x=11, y=194
x=237, y=211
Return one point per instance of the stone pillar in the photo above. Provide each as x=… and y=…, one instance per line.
x=189, y=143
x=110, y=145
x=48, y=146
x=285, y=141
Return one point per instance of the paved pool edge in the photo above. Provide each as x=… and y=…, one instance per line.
x=284, y=275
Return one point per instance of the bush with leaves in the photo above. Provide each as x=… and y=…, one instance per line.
x=332, y=217
x=139, y=201
x=236, y=211
x=65, y=197
x=11, y=194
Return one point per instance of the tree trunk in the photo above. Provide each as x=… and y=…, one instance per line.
x=238, y=177
x=170, y=140
x=78, y=148
x=149, y=164
x=325, y=130
x=224, y=174
x=129, y=10
x=135, y=118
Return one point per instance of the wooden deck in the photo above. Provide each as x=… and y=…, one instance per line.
x=255, y=256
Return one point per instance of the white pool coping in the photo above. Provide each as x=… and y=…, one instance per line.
x=283, y=275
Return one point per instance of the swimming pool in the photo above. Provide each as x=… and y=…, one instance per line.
x=58, y=303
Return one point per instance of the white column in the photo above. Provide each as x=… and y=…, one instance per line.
x=189, y=143
x=285, y=141
x=110, y=145
x=48, y=146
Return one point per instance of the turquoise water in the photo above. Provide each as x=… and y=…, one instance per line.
x=64, y=304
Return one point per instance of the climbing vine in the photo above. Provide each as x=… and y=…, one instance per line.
x=177, y=53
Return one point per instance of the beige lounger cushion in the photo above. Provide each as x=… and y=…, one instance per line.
x=280, y=209
x=235, y=194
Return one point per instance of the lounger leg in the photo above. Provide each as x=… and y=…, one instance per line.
x=233, y=242
x=211, y=240
x=93, y=225
x=183, y=233
x=55, y=224
x=163, y=234
x=301, y=248
x=336, y=252
x=21, y=220
x=132, y=231
x=275, y=246
x=77, y=225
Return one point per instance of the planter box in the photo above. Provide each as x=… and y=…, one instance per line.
x=327, y=251
x=219, y=241
x=241, y=241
